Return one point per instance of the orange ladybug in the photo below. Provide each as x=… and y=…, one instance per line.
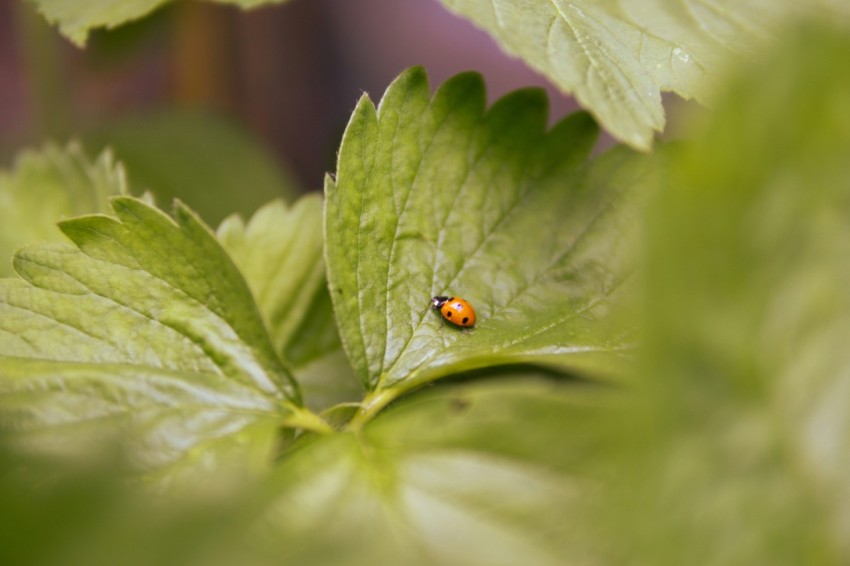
x=454, y=309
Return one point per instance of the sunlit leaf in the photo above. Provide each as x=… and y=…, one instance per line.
x=143, y=327
x=438, y=197
x=618, y=56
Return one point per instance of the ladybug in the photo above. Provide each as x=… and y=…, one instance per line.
x=455, y=310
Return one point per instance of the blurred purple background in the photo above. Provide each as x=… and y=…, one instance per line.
x=290, y=74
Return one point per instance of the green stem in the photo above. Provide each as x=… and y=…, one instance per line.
x=307, y=420
x=372, y=405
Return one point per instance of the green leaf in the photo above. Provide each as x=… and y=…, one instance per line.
x=91, y=514
x=744, y=446
x=466, y=474
x=437, y=197
x=205, y=161
x=76, y=18
x=47, y=185
x=279, y=252
x=144, y=326
x=617, y=57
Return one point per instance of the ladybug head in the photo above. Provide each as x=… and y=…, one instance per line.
x=438, y=302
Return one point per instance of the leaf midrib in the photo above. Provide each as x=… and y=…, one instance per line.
x=441, y=233
x=398, y=218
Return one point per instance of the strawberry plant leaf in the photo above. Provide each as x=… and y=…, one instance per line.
x=279, y=251
x=89, y=511
x=144, y=325
x=50, y=184
x=75, y=19
x=744, y=443
x=437, y=197
x=618, y=57
x=493, y=483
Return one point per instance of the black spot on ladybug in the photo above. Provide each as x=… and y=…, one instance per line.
x=449, y=314
x=465, y=319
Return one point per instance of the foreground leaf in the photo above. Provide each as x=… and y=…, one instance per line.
x=46, y=186
x=744, y=445
x=437, y=197
x=145, y=326
x=469, y=474
x=90, y=514
x=618, y=57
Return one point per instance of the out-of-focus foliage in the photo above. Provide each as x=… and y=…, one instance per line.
x=729, y=445
x=46, y=186
x=478, y=473
x=615, y=56
x=205, y=161
x=438, y=197
x=618, y=56
x=76, y=18
x=741, y=447
x=84, y=512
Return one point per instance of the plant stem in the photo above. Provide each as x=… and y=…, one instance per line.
x=372, y=404
x=307, y=420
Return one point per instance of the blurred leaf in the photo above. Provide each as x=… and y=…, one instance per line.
x=317, y=334
x=279, y=251
x=743, y=452
x=89, y=514
x=440, y=198
x=46, y=186
x=76, y=18
x=144, y=327
x=618, y=56
x=320, y=364
x=463, y=474
x=208, y=162
x=328, y=380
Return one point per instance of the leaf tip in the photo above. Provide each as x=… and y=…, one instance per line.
x=123, y=202
x=578, y=130
x=412, y=76
x=470, y=82
x=532, y=104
